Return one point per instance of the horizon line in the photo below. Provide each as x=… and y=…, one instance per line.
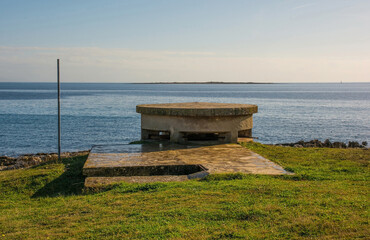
x=208, y=82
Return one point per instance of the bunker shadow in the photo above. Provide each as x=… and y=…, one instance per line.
x=149, y=146
x=71, y=182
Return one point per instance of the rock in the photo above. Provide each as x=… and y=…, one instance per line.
x=20, y=164
x=28, y=160
x=286, y=144
x=51, y=157
x=327, y=143
x=337, y=144
x=316, y=143
x=11, y=167
x=6, y=161
x=353, y=144
x=36, y=160
x=298, y=146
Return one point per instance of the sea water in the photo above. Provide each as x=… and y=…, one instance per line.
x=104, y=113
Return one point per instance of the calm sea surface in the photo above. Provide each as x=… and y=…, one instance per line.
x=105, y=113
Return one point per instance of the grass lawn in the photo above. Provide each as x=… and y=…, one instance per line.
x=327, y=198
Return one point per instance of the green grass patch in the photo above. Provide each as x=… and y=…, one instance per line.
x=327, y=198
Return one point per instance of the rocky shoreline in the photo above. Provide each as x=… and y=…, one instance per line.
x=29, y=160
x=326, y=144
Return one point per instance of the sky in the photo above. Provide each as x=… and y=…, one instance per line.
x=185, y=40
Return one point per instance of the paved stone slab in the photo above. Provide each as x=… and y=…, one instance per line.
x=225, y=158
x=197, y=109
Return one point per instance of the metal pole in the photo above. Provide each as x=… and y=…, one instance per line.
x=58, y=76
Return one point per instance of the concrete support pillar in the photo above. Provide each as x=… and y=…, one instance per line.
x=174, y=136
x=144, y=134
x=234, y=136
x=226, y=136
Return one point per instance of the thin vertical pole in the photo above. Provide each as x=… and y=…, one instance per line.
x=58, y=77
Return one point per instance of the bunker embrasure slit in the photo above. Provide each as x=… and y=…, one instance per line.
x=155, y=135
x=214, y=137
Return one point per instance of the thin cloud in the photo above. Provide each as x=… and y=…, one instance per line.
x=304, y=6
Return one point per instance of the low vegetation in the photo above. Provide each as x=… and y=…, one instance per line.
x=327, y=198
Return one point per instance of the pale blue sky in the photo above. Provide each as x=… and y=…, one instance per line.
x=186, y=40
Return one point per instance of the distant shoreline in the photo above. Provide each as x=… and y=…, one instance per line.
x=206, y=83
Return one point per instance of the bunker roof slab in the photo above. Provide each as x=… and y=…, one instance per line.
x=197, y=109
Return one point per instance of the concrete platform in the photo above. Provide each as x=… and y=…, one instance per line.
x=153, y=162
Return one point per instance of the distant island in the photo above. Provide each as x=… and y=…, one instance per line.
x=206, y=83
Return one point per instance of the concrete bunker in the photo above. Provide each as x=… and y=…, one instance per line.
x=196, y=122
